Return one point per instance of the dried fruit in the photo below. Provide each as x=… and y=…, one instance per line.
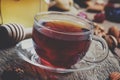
x=82, y=14
x=12, y=74
x=100, y=17
x=112, y=14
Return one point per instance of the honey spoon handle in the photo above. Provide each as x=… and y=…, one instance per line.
x=28, y=33
x=13, y=33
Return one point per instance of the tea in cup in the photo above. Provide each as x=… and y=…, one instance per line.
x=62, y=39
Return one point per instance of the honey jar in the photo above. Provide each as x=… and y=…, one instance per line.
x=21, y=11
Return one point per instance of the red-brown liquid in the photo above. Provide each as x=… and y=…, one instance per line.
x=56, y=46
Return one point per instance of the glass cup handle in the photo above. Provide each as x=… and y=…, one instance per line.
x=98, y=50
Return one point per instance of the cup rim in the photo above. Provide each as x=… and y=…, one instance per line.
x=68, y=14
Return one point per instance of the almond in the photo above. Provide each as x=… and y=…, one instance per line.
x=99, y=30
x=114, y=31
x=111, y=41
x=114, y=76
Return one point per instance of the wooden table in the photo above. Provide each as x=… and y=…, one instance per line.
x=11, y=63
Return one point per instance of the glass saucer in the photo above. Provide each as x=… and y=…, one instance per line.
x=28, y=54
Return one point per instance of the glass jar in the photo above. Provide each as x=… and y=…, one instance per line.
x=21, y=11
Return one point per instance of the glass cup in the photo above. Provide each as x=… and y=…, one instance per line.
x=21, y=11
x=62, y=41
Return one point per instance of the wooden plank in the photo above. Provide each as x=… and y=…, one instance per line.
x=10, y=61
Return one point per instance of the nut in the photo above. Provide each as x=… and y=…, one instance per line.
x=114, y=31
x=114, y=76
x=119, y=40
x=99, y=30
x=111, y=41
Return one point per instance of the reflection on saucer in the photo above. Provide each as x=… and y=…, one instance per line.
x=96, y=53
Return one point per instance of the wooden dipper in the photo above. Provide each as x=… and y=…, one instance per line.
x=11, y=34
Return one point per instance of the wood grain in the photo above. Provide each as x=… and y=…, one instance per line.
x=10, y=60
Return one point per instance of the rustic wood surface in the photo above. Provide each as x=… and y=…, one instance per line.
x=10, y=62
